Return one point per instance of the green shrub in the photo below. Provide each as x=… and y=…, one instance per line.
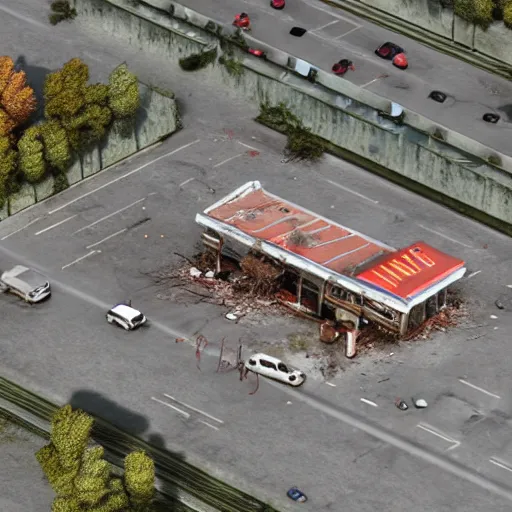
x=234, y=67
x=507, y=14
x=61, y=10
x=31, y=156
x=123, y=92
x=478, y=12
x=96, y=93
x=8, y=162
x=198, y=61
x=56, y=146
x=301, y=143
x=60, y=182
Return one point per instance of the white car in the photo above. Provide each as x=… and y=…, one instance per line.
x=126, y=317
x=274, y=368
x=28, y=284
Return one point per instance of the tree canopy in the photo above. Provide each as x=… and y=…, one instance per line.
x=83, y=480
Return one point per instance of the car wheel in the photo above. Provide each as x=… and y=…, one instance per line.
x=437, y=96
x=491, y=118
x=301, y=382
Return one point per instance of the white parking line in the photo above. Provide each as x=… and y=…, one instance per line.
x=54, y=225
x=186, y=414
x=185, y=182
x=125, y=175
x=21, y=17
x=500, y=464
x=228, y=160
x=347, y=33
x=194, y=409
x=351, y=191
x=206, y=423
x=325, y=26
x=80, y=259
x=107, y=238
x=331, y=384
x=109, y=215
x=445, y=236
x=473, y=274
x=247, y=146
x=462, y=381
x=369, y=402
x=21, y=229
x=431, y=430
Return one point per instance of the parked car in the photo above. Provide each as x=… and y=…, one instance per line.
x=274, y=368
x=388, y=50
x=126, y=317
x=25, y=282
x=297, y=495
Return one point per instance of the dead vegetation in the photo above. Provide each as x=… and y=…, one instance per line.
x=301, y=238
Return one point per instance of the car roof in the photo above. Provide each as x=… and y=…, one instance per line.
x=126, y=311
x=270, y=359
x=23, y=278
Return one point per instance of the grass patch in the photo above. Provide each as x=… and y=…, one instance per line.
x=234, y=67
x=298, y=342
x=61, y=10
x=301, y=144
x=198, y=61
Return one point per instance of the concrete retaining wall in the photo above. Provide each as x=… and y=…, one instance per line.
x=335, y=109
x=495, y=42
x=156, y=118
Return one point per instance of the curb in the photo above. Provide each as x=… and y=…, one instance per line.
x=425, y=37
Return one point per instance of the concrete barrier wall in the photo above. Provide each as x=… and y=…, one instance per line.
x=431, y=16
x=332, y=107
x=156, y=118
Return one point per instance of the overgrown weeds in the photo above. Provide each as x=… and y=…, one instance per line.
x=198, y=61
x=301, y=144
x=61, y=10
x=233, y=66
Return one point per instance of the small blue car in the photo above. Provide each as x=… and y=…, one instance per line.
x=297, y=495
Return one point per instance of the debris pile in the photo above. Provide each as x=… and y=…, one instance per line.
x=259, y=278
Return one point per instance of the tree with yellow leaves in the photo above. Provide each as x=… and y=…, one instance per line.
x=17, y=99
x=83, y=480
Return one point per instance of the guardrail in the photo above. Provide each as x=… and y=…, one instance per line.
x=34, y=413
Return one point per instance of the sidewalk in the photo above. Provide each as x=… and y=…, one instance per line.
x=334, y=34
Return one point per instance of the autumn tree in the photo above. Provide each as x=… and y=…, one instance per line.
x=123, y=92
x=81, y=109
x=17, y=99
x=83, y=480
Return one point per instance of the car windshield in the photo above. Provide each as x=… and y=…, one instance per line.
x=137, y=319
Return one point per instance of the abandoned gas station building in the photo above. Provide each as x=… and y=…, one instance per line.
x=330, y=271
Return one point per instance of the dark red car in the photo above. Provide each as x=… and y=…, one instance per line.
x=277, y=4
x=388, y=50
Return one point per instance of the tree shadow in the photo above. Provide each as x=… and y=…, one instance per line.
x=121, y=431
x=35, y=78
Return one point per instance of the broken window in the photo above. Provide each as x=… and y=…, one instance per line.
x=416, y=316
x=309, y=295
x=268, y=364
x=380, y=310
x=431, y=306
x=328, y=312
x=441, y=299
x=290, y=282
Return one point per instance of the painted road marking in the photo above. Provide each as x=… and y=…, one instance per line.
x=186, y=414
x=185, y=182
x=473, y=274
x=500, y=464
x=206, y=423
x=194, y=409
x=462, y=381
x=247, y=146
x=80, y=259
x=373, y=81
x=445, y=236
x=107, y=238
x=54, y=225
x=173, y=152
x=109, y=215
x=369, y=402
x=433, y=431
x=351, y=191
x=228, y=160
x=21, y=229
x=347, y=33
x=331, y=384
x=325, y=26
x=21, y=17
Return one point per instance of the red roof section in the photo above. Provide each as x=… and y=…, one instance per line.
x=411, y=270
x=404, y=273
x=263, y=216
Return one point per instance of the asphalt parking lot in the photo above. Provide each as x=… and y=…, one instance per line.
x=99, y=240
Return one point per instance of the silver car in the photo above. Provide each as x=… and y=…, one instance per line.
x=25, y=282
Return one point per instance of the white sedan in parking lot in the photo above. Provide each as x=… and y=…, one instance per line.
x=27, y=283
x=126, y=317
x=274, y=368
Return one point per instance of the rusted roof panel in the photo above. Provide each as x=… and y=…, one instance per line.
x=411, y=270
